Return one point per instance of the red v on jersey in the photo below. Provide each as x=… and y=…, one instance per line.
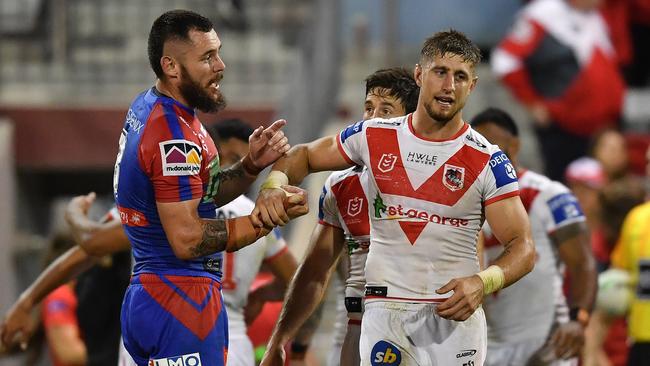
x=353, y=205
x=391, y=177
x=412, y=229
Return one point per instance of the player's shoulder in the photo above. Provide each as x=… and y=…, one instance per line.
x=357, y=127
x=546, y=187
x=475, y=140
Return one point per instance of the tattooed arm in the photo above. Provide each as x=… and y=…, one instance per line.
x=191, y=236
x=234, y=181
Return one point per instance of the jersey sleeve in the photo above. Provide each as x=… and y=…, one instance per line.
x=327, y=208
x=171, y=157
x=275, y=245
x=500, y=178
x=561, y=208
x=351, y=141
x=60, y=308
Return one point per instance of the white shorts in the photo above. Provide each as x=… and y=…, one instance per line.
x=340, y=326
x=394, y=333
x=532, y=353
x=240, y=351
x=350, y=350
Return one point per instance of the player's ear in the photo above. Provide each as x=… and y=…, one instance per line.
x=417, y=74
x=169, y=67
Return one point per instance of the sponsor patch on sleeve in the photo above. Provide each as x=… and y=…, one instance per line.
x=180, y=157
x=564, y=207
x=351, y=130
x=502, y=168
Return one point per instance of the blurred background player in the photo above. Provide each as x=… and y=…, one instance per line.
x=344, y=227
x=402, y=266
x=559, y=62
x=546, y=330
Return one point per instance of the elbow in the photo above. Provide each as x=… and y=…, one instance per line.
x=529, y=256
x=184, y=244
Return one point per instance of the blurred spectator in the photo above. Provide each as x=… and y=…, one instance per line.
x=59, y=315
x=559, y=62
x=586, y=177
x=608, y=146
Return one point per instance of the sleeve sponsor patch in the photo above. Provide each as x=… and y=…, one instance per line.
x=564, y=207
x=351, y=130
x=502, y=168
x=180, y=157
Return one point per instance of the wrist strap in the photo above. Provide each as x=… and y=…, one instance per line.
x=493, y=279
x=275, y=179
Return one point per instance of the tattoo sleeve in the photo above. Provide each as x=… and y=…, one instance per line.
x=215, y=238
x=234, y=172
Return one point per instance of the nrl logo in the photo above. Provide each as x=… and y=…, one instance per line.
x=453, y=177
x=354, y=206
x=387, y=162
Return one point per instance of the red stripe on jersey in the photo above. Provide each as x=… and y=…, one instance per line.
x=527, y=196
x=391, y=177
x=342, y=151
x=353, y=205
x=132, y=217
x=501, y=197
x=412, y=229
x=198, y=322
x=276, y=255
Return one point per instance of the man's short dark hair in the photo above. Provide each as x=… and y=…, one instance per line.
x=453, y=42
x=497, y=116
x=400, y=84
x=230, y=128
x=174, y=24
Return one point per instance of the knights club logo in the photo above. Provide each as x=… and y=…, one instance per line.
x=453, y=177
x=354, y=206
x=387, y=162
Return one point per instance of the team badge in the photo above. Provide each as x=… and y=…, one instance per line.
x=354, y=206
x=453, y=177
x=387, y=162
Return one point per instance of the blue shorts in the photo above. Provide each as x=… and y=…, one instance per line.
x=175, y=320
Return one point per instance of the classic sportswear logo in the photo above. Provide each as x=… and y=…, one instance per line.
x=180, y=157
x=466, y=353
x=191, y=359
x=385, y=353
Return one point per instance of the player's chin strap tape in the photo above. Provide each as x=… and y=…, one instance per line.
x=493, y=279
x=353, y=304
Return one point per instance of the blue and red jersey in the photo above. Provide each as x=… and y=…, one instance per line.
x=165, y=155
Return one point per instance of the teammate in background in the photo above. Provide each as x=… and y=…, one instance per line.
x=167, y=185
x=231, y=139
x=544, y=331
x=344, y=227
x=433, y=180
x=59, y=315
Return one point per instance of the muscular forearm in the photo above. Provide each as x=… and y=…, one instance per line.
x=68, y=266
x=517, y=259
x=235, y=181
x=295, y=164
x=574, y=251
x=219, y=235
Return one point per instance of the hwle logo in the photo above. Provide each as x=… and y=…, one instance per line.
x=421, y=158
x=191, y=359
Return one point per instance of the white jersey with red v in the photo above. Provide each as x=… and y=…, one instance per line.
x=427, y=203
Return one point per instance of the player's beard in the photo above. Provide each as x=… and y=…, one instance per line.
x=442, y=117
x=197, y=97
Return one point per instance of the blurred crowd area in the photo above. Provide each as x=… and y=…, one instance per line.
x=69, y=68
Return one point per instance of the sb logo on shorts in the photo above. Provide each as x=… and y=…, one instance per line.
x=385, y=353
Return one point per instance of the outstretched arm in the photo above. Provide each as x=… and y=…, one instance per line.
x=320, y=155
x=510, y=225
x=192, y=237
x=17, y=325
x=306, y=289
